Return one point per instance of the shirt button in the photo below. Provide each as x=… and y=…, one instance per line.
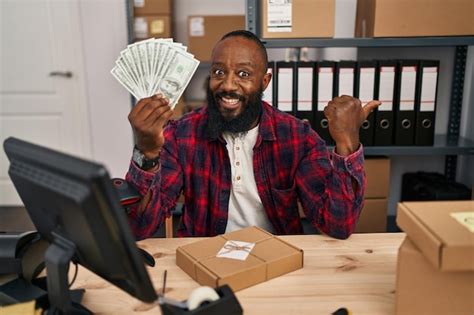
x=238, y=178
x=237, y=148
x=237, y=163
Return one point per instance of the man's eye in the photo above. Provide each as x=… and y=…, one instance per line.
x=243, y=74
x=218, y=72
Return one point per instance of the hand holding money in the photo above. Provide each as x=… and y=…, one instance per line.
x=154, y=66
x=148, y=118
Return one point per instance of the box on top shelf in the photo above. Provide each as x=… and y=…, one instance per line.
x=264, y=257
x=152, y=7
x=442, y=230
x=204, y=31
x=297, y=18
x=152, y=26
x=395, y=18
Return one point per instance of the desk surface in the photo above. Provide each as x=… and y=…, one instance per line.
x=358, y=273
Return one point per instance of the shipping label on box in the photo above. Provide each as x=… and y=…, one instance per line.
x=219, y=260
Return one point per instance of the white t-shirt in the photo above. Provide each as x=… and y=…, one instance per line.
x=245, y=207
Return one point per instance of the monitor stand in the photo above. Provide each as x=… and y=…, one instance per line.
x=62, y=300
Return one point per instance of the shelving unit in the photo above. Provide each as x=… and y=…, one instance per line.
x=450, y=144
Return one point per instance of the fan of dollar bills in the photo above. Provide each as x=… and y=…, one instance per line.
x=154, y=66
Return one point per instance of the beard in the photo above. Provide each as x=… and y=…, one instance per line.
x=218, y=123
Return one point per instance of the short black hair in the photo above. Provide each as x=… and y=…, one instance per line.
x=250, y=36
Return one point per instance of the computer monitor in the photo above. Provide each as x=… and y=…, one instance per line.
x=74, y=206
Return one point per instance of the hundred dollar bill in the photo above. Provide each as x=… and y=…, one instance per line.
x=121, y=77
x=176, y=78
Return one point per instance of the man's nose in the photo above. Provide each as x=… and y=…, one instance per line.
x=229, y=83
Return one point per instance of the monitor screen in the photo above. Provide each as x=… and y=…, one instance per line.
x=72, y=201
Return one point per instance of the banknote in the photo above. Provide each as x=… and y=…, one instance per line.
x=153, y=66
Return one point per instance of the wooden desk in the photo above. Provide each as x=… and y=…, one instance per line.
x=358, y=273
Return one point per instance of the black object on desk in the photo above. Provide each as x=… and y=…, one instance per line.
x=76, y=209
x=226, y=304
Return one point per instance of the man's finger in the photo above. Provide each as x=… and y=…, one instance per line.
x=370, y=106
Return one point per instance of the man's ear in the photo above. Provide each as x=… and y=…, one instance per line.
x=266, y=80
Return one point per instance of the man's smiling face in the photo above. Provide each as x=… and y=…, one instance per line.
x=238, y=75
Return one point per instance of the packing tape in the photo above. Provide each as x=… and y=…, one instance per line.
x=201, y=295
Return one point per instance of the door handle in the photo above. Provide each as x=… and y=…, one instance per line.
x=64, y=74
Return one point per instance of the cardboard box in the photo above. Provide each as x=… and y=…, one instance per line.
x=373, y=217
x=446, y=242
x=271, y=257
x=205, y=31
x=158, y=26
x=152, y=7
x=422, y=289
x=400, y=18
x=377, y=172
x=309, y=18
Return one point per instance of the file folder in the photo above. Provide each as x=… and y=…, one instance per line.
x=386, y=89
x=405, y=103
x=324, y=81
x=305, y=91
x=269, y=92
x=345, y=78
x=285, y=86
x=365, y=90
x=426, y=101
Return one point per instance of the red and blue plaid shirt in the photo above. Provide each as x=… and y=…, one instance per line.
x=290, y=162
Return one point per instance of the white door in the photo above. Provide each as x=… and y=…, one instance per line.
x=42, y=90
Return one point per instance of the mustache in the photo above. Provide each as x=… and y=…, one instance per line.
x=230, y=95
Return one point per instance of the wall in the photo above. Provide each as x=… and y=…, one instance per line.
x=104, y=35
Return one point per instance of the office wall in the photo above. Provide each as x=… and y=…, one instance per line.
x=104, y=35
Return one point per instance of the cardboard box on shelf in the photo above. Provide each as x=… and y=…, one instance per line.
x=204, y=31
x=152, y=26
x=269, y=258
x=151, y=7
x=373, y=217
x=297, y=19
x=395, y=18
x=442, y=230
x=377, y=171
x=423, y=289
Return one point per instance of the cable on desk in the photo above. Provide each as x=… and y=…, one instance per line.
x=74, y=277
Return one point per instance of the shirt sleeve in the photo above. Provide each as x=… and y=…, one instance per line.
x=161, y=189
x=325, y=187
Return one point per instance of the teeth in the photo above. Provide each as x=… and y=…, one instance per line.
x=231, y=101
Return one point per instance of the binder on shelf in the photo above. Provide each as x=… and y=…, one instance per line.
x=386, y=89
x=427, y=83
x=405, y=103
x=269, y=92
x=324, y=81
x=285, y=72
x=345, y=78
x=305, y=91
x=365, y=90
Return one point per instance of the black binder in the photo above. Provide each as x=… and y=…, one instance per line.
x=324, y=81
x=285, y=99
x=270, y=91
x=405, y=103
x=305, y=91
x=345, y=78
x=386, y=90
x=426, y=101
x=365, y=90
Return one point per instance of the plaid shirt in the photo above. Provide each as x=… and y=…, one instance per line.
x=290, y=162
